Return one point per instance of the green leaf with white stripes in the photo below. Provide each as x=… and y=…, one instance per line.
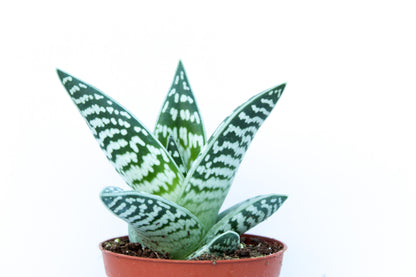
x=159, y=224
x=213, y=171
x=245, y=215
x=226, y=242
x=134, y=152
x=181, y=119
x=179, y=180
x=173, y=149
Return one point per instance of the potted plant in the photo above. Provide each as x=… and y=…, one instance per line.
x=178, y=182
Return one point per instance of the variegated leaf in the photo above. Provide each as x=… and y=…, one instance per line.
x=173, y=149
x=181, y=119
x=211, y=175
x=160, y=225
x=134, y=152
x=224, y=243
x=247, y=214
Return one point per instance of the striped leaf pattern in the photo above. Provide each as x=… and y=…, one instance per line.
x=180, y=118
x=179, y=181
x=211, y=176
x=224, y=243
x=134, y=152
x=158, y=223
x=173, y=149
x=247, y=214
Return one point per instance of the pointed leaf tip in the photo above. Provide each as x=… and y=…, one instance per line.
x=131, y=148
x=180, y=118
x=220, y=158
x=154, y=221
x=180, y=63
x=110, y=190
x=247, y=214
x=60, y=73
x=173, y=149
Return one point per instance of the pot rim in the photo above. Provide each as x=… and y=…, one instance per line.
x=245, y=260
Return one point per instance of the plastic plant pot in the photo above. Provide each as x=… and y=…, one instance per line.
x=128, y=266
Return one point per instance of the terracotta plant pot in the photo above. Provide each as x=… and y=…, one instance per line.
x=127, y=266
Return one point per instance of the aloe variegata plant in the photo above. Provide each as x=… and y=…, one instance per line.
x=178, y=179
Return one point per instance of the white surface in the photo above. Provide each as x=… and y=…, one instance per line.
x=340, y=143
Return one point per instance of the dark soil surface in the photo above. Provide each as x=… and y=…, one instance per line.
x=124, y=246
x=250, y=248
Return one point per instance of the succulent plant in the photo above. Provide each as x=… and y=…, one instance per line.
x=178, y=179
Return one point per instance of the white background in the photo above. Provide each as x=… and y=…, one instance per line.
x=340, y=142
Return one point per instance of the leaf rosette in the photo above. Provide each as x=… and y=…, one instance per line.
x=178, y=178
